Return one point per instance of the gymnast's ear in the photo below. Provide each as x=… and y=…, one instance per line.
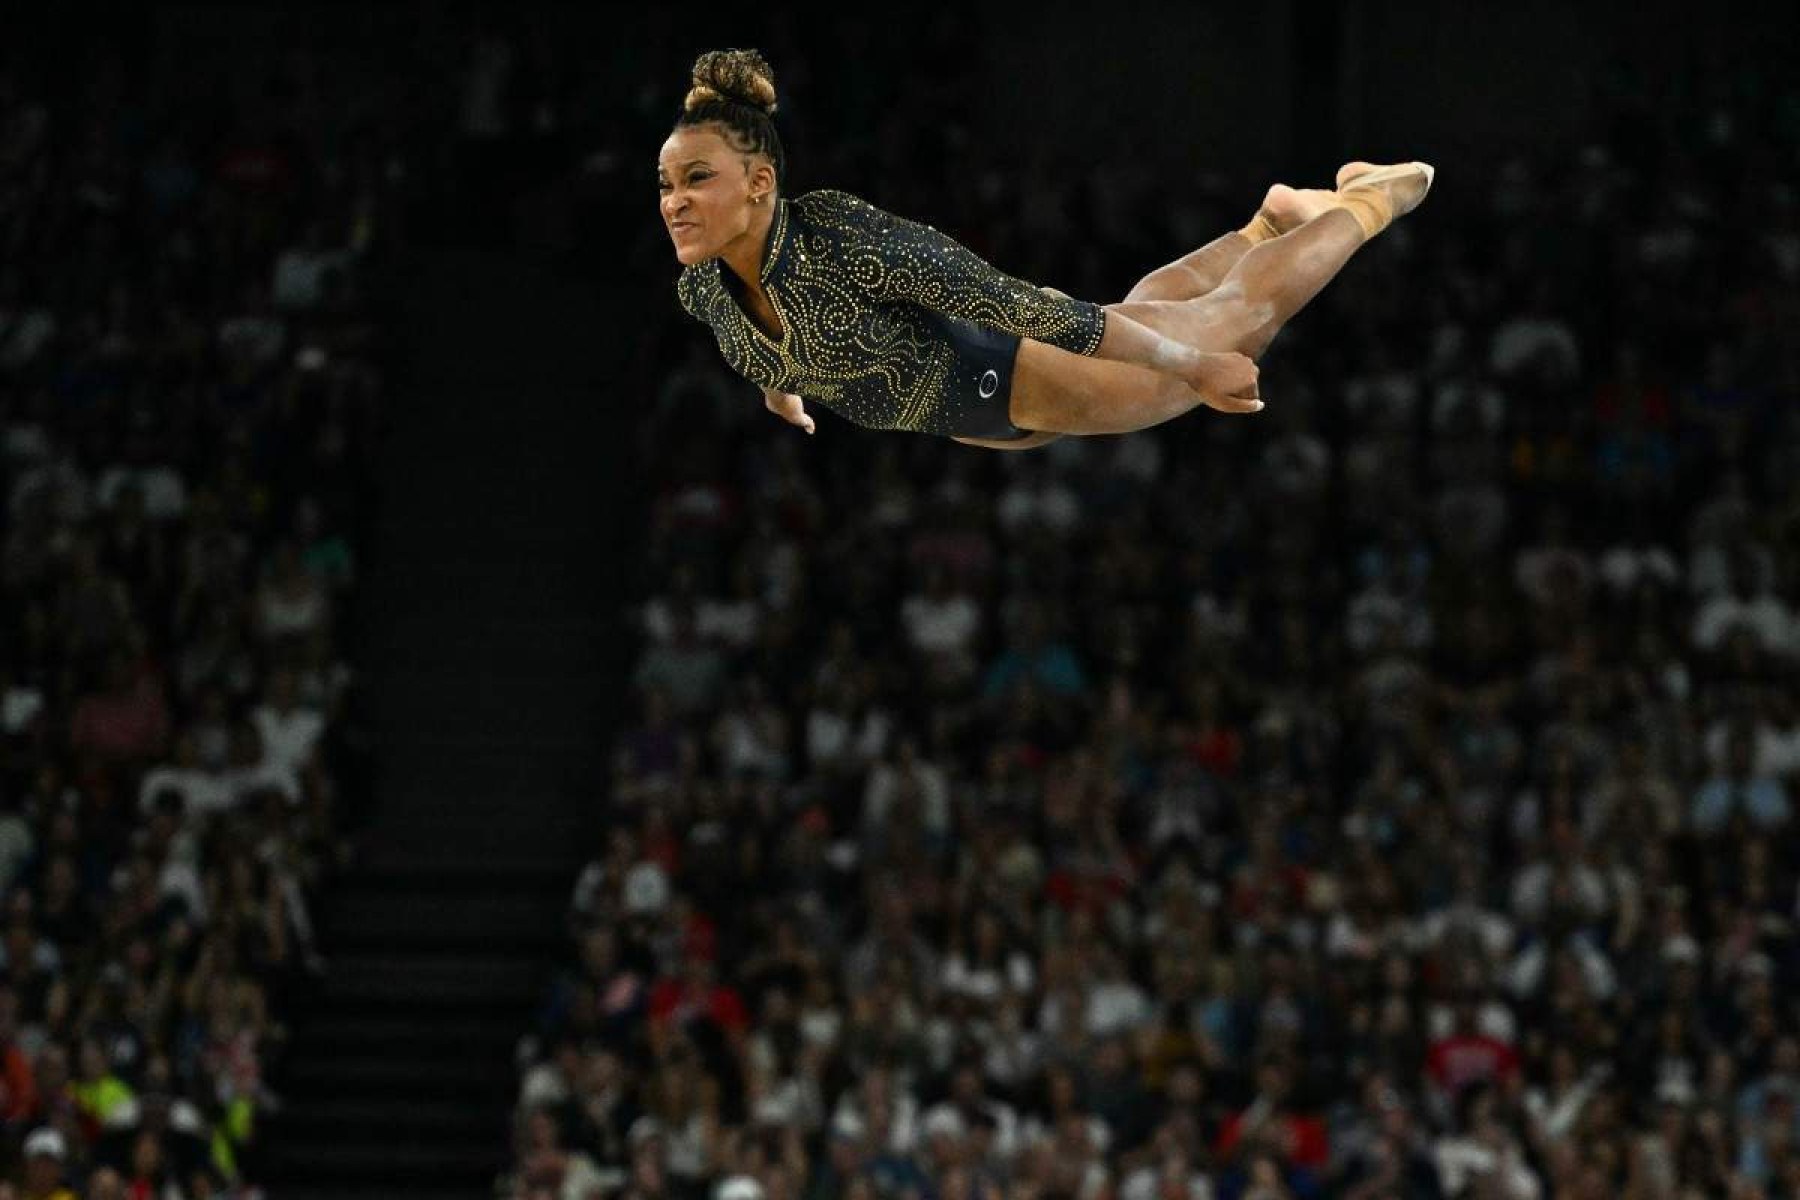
x=761, y=174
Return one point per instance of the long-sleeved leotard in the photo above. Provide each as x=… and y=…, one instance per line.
x=871, y=308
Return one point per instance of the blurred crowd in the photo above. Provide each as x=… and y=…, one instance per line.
x=188, y=389
x=1387, y=795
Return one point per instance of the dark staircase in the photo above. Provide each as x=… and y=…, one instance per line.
x=494, y=652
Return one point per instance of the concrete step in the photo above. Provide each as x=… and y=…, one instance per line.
x=415, y=863
x=435, y=981
x=422, y=1168
x=345, y=1121
x=419, y=1034
x=432, y=1079
x=441, y=919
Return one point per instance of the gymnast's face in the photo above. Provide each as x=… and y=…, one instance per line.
x=708, y=188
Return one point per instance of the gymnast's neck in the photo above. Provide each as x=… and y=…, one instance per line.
x=745, y=253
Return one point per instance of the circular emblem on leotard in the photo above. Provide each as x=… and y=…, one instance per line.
x=990, y=383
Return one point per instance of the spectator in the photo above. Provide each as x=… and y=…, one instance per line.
x=1736, y=793
x=125, y=719
x=46, y=1158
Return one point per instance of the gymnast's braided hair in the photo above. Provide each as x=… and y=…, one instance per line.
x=736, y=89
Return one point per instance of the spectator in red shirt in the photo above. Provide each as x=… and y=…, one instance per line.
x=1468, y=1055
x=695, y=995
x=18, y=1082
x=1267, y=881
x=1271, y=1123
x=126, y=720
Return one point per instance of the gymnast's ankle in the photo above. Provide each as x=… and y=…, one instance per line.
x=1260, y=229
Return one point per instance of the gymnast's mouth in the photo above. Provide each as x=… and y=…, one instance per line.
x=678, y=226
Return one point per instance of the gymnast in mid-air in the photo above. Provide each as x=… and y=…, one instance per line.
x=894, y=325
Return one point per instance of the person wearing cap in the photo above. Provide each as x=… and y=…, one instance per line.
x=738, y=1187
x=46, y=1159
x=945, y=1131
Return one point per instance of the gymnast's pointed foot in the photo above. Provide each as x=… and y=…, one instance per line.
x=1285, y=208
x=1376, y=195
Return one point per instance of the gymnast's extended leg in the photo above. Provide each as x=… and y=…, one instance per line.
x=1058, y=392
x=1283, y=210
x=1276, y=278
x=1193, y=275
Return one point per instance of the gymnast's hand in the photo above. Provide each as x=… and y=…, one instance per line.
x=1227, y=382
x=788, y=408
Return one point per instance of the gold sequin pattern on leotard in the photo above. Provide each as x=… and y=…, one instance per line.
x=855, y=288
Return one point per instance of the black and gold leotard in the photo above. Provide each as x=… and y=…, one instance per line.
x=882, y=317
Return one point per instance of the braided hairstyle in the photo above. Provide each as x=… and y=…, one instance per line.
x=736, y=90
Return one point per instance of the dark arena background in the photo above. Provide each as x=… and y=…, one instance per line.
x=455, y=742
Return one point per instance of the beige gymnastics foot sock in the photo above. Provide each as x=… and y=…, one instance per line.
x=1260, y=229
x=1285, y=209
x=1376, y=196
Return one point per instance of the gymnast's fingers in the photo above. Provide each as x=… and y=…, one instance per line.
x=1243, y=402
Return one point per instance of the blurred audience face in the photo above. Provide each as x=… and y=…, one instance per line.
x=43, y=1174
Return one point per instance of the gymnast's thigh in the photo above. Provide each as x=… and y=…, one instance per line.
x=1058, y=391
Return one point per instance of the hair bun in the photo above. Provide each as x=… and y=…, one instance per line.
x=738, y=76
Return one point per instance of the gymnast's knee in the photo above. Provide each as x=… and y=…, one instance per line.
x=1160, y=284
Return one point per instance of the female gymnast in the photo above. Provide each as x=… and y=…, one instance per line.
x=897, y=326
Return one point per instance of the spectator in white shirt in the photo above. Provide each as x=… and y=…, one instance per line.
x=732, y=620
x=1537, y=343
x=289, y=730
x=301, y=271
x=291, y=601
x=1115, y=1004
x=1553, y=571
x=942, y=623
x=751, y=734
x=1739, y=791
x=165, y=495
x=909, y=780
x=202, y=792
x=845, y=729
x=1038, y=498
x=252, y=339
x=1748, y=605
